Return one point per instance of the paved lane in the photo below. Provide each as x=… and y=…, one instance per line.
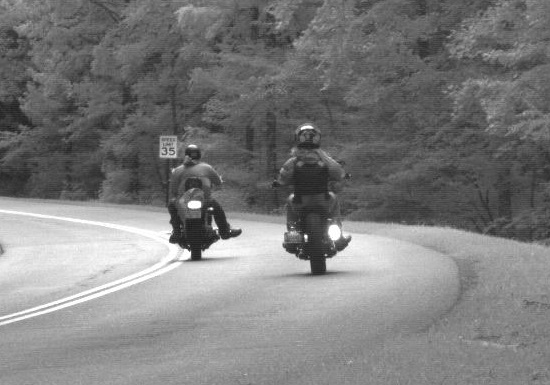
x=45, y=259
x=248, y=314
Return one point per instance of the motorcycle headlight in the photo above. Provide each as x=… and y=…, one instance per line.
x=194, y=205
x=334, y=232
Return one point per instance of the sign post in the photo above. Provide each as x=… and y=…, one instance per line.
x=168, y=149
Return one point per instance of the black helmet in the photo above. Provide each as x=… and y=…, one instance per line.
x=307, y=135
x=193, y=152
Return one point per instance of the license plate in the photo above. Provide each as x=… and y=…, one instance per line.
x=293, y=237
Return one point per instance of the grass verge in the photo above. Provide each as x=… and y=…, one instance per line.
x=497, y=333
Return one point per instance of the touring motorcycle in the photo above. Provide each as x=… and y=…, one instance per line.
x=313, y=238
x=198, y=234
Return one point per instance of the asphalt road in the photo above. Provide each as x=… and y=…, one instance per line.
x=247, y=314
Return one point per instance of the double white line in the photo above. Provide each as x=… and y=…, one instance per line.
x=169, y=262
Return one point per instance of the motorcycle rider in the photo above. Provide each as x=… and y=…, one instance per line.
x=312, y=188
x=193, y=167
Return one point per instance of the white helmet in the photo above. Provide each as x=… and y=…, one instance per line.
x=307, y=135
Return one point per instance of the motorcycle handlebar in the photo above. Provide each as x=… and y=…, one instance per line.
x=276, y=184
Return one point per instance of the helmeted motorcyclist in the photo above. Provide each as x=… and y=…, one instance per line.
x=193, y=167
x=314, y=190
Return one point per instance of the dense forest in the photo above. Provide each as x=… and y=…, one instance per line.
x=439, y=108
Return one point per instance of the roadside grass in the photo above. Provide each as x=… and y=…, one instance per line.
x=497, y=333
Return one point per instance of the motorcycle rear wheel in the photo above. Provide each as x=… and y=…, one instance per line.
x=196, y=252
x=195, y=232
x=315, y=230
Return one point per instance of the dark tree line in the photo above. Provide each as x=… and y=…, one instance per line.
x=440, y=109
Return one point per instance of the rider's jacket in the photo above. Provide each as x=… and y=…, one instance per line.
x=335, y=172
x=204, y=171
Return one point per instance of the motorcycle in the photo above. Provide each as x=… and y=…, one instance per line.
x=313, y=238
x=198, y=234
x=315, y=234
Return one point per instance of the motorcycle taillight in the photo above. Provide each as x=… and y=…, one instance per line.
x=194, y=205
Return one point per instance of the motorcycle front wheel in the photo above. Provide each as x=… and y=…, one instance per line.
x=314, y=228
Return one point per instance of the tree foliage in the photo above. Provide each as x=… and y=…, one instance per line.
x=508, y=43
x=439, y=108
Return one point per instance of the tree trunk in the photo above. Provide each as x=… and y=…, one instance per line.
x=169, y=163
x=249, y=138
x=174, y=110
x=271, y=151
x=504, y=193
x=532, y=189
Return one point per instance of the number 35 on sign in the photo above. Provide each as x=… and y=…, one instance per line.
x=168, y=147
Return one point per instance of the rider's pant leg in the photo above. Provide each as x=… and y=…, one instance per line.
x=334, y=208
x=219, y=216
x=175, y=221
x=174, y=217
x=291, y=212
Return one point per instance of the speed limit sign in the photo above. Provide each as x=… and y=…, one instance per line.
x=168, y=148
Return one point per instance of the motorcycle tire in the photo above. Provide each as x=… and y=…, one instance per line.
x=196, y=252
x=314, y=228
x=194, y=233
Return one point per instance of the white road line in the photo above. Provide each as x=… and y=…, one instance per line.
x=168, y=263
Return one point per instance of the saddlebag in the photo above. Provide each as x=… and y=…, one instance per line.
x=292, y=240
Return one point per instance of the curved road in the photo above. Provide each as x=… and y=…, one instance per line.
x=247, y=314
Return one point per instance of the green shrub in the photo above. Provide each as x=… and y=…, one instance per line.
x=530, y=225
x=117, y=186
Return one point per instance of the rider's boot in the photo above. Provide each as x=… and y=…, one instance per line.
x=343, y=242
x=229, y=232
x=224, y=229
x=175, y=237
